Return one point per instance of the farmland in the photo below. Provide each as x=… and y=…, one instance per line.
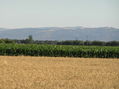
x=59, y=50
x=58, y=73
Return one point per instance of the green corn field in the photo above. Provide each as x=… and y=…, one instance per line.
x=59, y=50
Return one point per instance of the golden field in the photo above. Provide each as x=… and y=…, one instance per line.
x=58, y=73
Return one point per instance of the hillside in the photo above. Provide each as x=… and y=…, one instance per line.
x=62, y=33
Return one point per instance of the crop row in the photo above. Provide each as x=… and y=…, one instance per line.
x=59, y=50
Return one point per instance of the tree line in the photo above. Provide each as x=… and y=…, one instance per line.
x=30, y=40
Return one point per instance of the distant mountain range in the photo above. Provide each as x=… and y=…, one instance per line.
x=62, y=33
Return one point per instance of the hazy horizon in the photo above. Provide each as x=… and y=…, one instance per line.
x=60, y=27
x=59, y=13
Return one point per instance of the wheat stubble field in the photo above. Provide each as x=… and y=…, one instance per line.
x=58, y=73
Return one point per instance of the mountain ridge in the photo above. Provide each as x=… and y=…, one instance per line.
x=62, y=33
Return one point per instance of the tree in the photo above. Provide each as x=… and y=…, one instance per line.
x=29, y=39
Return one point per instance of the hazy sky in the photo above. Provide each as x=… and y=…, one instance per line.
x=45, y=13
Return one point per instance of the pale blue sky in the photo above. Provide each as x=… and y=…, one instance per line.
x=47, y=13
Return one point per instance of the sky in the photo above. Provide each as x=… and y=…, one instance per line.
x=59, y=13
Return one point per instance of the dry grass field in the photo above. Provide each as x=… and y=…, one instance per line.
x=58, y=73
